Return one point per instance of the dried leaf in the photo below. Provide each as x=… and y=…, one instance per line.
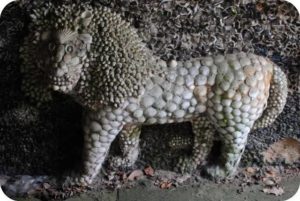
x=277, y=191
x=183, y=178
x=46, y=185
x=271, y=172
x=136, y=174
x=149, y=171
x=269, y=181
x=165, y=184
x=250, y=170
x=287, y=150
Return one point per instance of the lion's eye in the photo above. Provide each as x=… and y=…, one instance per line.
x=69, y=49
x=51, y=47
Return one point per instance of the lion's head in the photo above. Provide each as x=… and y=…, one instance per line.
x=89, y=52
x=61, y=55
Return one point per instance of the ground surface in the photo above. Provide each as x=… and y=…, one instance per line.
x=208, y=191
x=47, y=140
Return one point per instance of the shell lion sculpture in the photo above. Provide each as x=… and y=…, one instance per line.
x=92, y=55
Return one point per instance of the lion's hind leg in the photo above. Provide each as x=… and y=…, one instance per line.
x=203, y=141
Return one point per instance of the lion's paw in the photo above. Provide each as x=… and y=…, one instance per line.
x=120, y=162
x=185, y=165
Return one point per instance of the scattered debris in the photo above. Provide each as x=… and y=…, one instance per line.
x=251, y=170
x=277, y=191
x=287, y=150
x=183, y=178
x=135, y=175
x=165, y=184
x=149, y=171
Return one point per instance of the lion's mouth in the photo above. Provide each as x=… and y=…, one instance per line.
x=62, y=84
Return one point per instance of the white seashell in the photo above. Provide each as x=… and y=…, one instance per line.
x=86, y=38
x=65, y=35
x=86, y=17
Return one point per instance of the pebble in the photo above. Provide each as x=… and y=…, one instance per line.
x=162, y=121
x=162, y=114
x=253, y=92
x=180, y=80
x=218, y=107
x=219, y=58
x=227, y=109
x=200, y=90
x=171, y=107
x=219, y=116
x=193, y=71
x=158, y=80
x=237, y=134
x=159, y=104
x=150, y=112
x=191, y=109
x=147, y=101
x=204, y=70
x=171, y=76
x=226, y=102
x=251, y=81
x=246, y=100
x=235, y=64
x=142, y=119
x=236, y=112
x=240, y=76
x=149, y=84
x=225, y=85
x=237, y=119
x=182, y=71
x=132, y=107
x=200, y=80
x=166, y=85
x=177, y=100
x=138, y=113
x=200, y=108
x=188, y=64
x=95, y=137
x=185, y=105
x=151, y=121
x=236, y=104
x=156, y=91
x=187, y=95
x=189, y=81
x=244, y=89
x=95, y=126
x=172, y=63
x=178, y=90
x=211, y=79
x=245, y=108
x=207, y=61
x=245, y=61
x=179, y=113
x=111, y=116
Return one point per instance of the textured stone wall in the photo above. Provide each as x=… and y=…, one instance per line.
x=48, y=140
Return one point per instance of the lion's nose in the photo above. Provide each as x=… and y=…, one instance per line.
x=60, y=53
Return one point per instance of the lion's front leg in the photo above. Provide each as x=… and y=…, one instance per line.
x=129, y=145
x=99, y=132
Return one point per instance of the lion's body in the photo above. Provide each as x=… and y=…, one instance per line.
x=122, y=86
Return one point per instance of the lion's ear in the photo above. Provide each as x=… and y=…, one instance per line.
x=85, y=18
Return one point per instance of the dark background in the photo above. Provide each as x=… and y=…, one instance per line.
x=48, y=139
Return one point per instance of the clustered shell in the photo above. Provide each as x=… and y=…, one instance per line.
x=115, y=66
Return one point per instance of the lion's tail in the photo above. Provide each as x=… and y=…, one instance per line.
x=276, y=101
